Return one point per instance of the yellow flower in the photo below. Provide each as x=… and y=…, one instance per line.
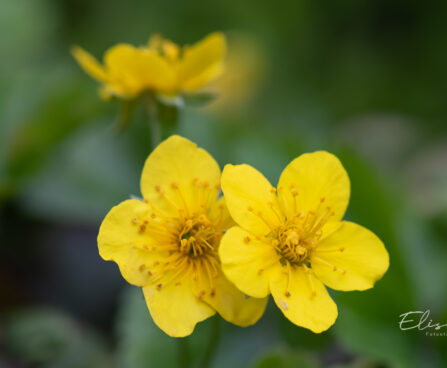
x=160, y=66
x=292, y=241
x=168, y=242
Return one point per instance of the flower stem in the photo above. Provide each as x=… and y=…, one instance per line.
x=212, y=343
x=183, y=354
x=152, y=117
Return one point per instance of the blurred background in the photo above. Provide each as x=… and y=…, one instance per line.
x=364, y=80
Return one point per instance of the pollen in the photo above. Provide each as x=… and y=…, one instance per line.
x=297, y=237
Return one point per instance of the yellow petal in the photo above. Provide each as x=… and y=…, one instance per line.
x=202, y=62
x=313, y=177
x=233, y=305
x=308, y=305
x=247, y=262
x=178, y=175
x=220, y=216
x=121, y=241
x=357, y=254
x=89, y=63
x=134, y=70
x=251, y=199
x=175, y=308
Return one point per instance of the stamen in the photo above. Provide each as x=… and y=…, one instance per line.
x=324, y=262
x=175, y=186
x=308, y=273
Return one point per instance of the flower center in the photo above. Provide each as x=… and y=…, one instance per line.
x=198, y=237
x=297, y=237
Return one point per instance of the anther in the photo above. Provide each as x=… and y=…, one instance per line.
x=142, y=267
x=134, y=220
x=261, y=270
x=201, y=294
x=273, y=190
x=288, y=293
x=342, y=249
x=294, y=192
x=247, y=240
x=322, y=199
x=250, y=208
x=149, y=273
x=142, y=228
x=157, y=188
x=159, y=286
x=153, y=215
x=174, y=185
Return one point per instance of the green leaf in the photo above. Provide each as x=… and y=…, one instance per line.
x=282, y=358
x=199, y=99
x=47, y=336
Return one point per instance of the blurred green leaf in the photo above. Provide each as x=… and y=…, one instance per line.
x=127, y=110
x=199, y=99
x=282, y=358
x=46, y=336
x=31, y=143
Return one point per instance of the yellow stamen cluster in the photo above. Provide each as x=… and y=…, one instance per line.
x=188, y=241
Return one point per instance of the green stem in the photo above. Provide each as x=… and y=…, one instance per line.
x=152, y=117
x=183, y=354
x=212, y=343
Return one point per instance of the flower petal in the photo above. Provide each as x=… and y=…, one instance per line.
x=202, y=62
x=233, y=305
x=358, y=255
x=220, y=216
x=312, y=177
x=309, y=304
x=90, y=65
x=178, y=175
x=134, y=70
x=175, y=308
x=121, y=241
x=248, y=262
x=251, y=199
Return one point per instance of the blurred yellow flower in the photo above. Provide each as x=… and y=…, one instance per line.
x=168, y=242
x=160, y=66
x=291, y=242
